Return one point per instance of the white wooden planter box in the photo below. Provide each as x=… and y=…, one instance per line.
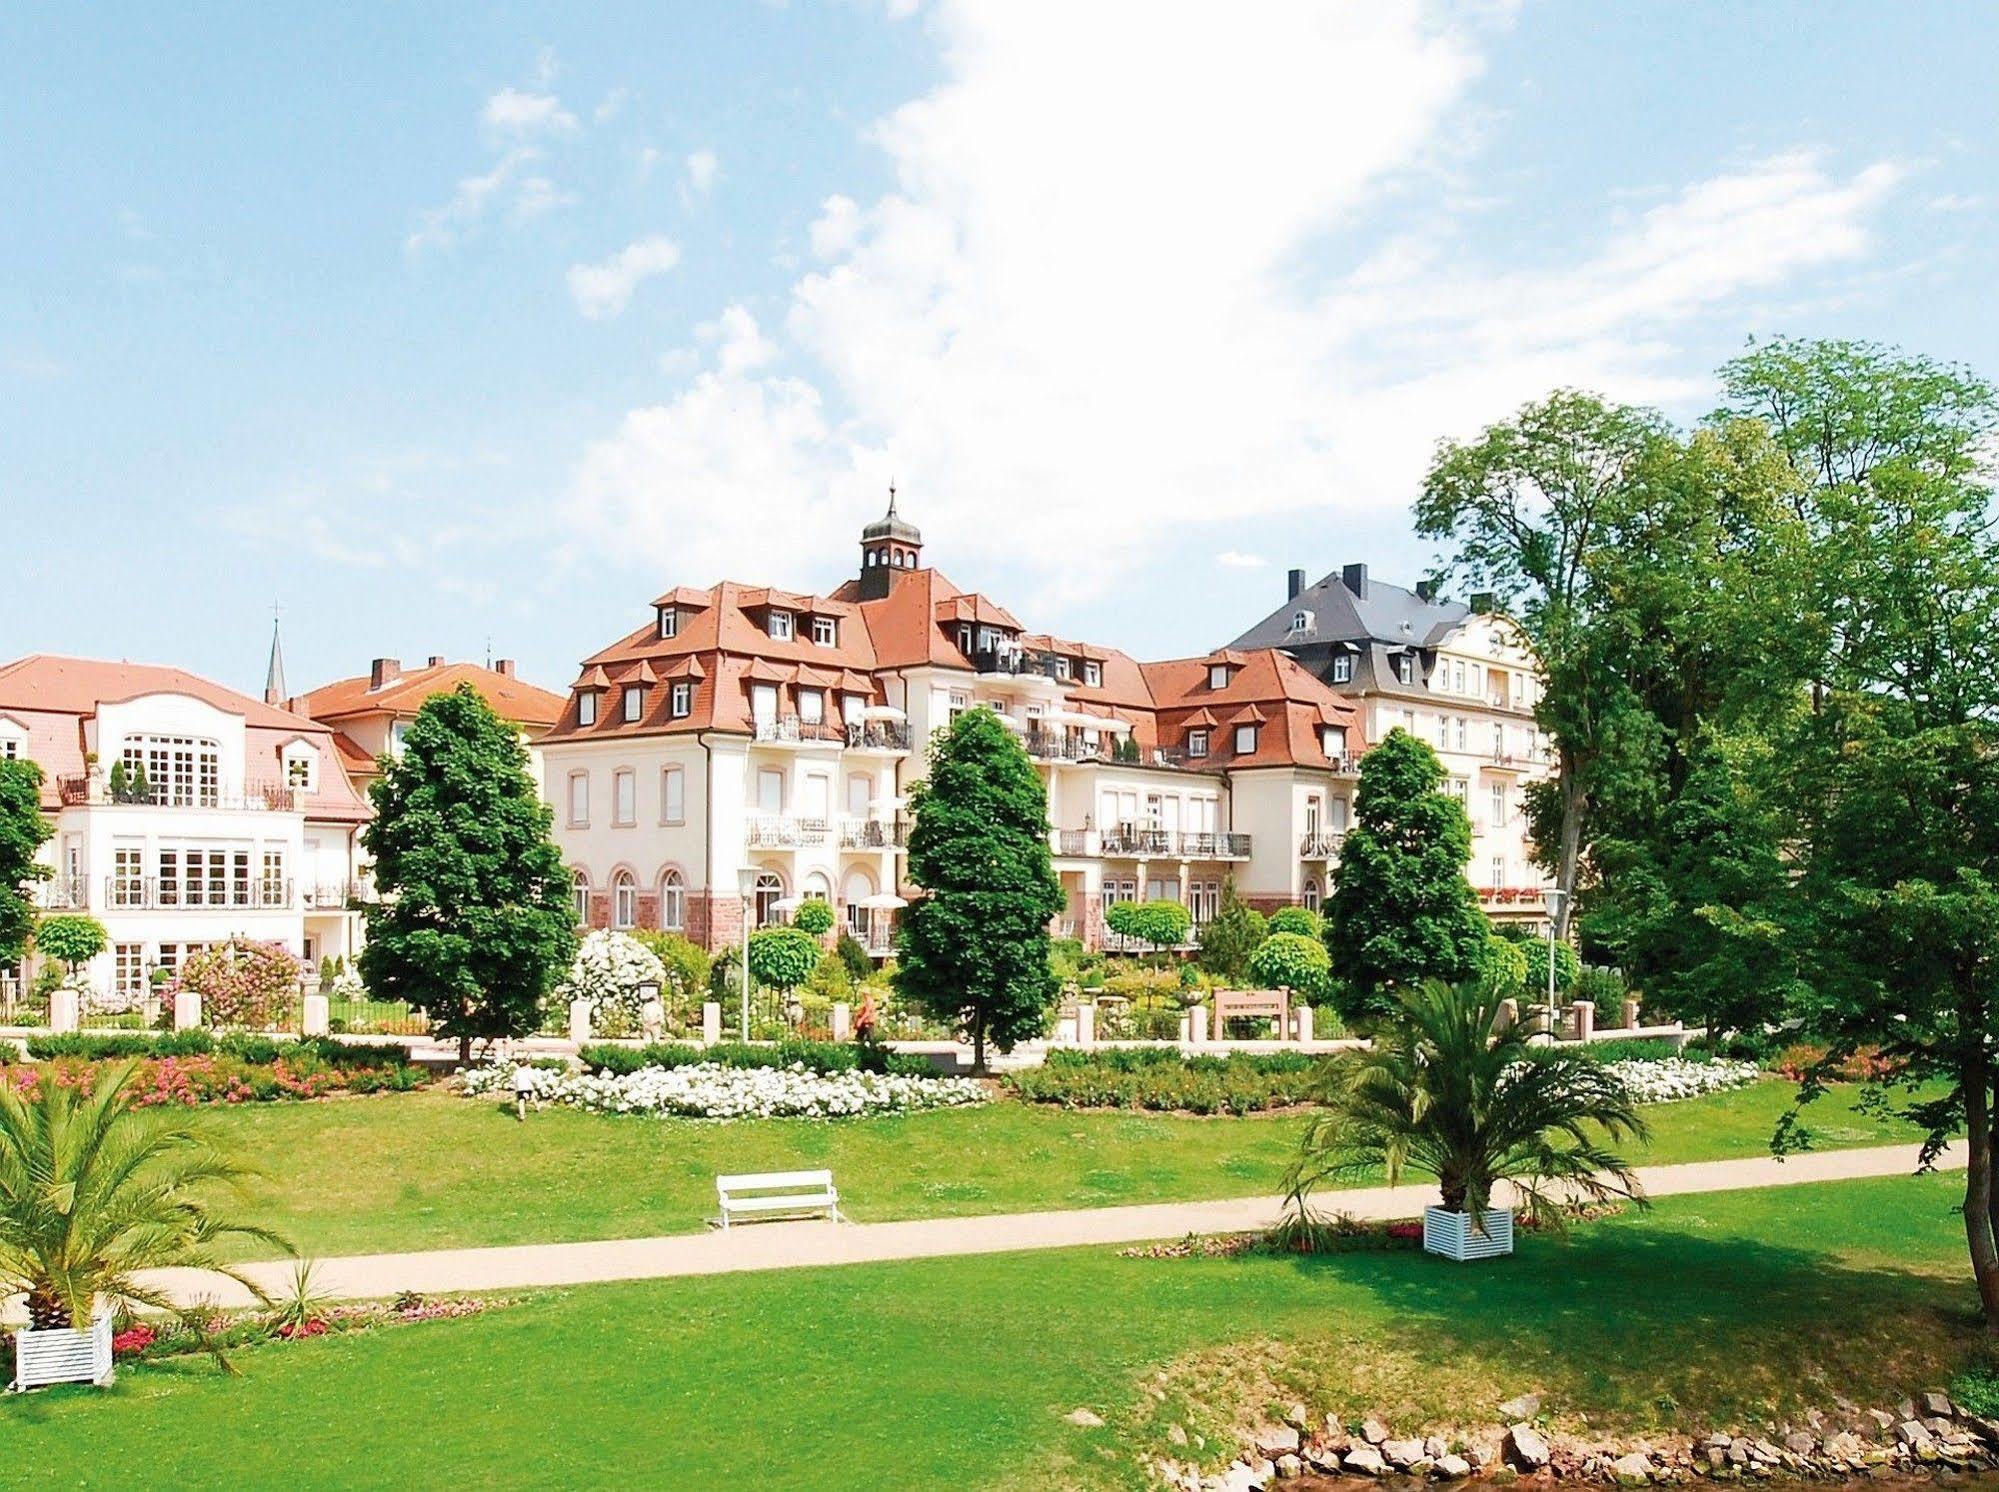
x=65, y=1356
x=1452, y=1234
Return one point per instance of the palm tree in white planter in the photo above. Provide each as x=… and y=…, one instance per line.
x=1442, y=1094
x=95, y=1192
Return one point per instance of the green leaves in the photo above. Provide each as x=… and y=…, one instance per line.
x=22, y=831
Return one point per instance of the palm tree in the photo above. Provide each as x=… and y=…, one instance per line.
x=1442, y=1094
x=93, y=1191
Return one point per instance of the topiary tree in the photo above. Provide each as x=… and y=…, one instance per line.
x=974, y=948
x=813, y=916
x=1505, y=966
x=854, y=956
x=1231, y=936
x=1402, y=911
x=609, y=970
x=476, y=923
x=22, y=832
x=1535, y=956
x=1291, y=961
x=70, y=940
x=1301, y=920
x=243, y=983
x=1157, y=924
x=783, y=957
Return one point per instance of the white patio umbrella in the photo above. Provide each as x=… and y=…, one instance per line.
x=883, y=901
x=882, y=712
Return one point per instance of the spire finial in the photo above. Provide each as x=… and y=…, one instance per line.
x=891, y=497
x=274, y=673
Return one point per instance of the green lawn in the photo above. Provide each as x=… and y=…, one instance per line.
x=958, y=1372
x=429, y=1170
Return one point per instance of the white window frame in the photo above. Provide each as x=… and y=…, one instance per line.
x=586, y=707
x=1093, y=674
x=680, y=700
x=579, y=894
x=672, y=795
x=825, y=632
x=624, y=900
x=624, y=798
x=634, y=703
x=1197, y=742
x=579, y=799
x=669, y=622
x=779, y=626
x=1342, y=668
x=1242, y=733
x=672, y=901
x=1218, y=675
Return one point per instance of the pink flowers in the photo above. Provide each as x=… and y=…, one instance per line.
x=133, y=1340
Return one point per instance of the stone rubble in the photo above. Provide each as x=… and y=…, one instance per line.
x=1922, y=1434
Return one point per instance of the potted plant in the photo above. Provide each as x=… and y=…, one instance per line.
x=1442, y=1094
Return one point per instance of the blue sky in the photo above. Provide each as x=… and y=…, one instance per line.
x=441, y=325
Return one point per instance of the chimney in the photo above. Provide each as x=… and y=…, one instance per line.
x=504, y=667
x=384, y=671
x=436, y=661
x=1294, y=582
x=1354, y=577
x=1483, y=603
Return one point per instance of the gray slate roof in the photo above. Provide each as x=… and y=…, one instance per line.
x=1371, y=623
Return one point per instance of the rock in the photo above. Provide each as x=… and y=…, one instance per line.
x=1717, y=1457
x=1905, y=1410
x=1844, y=1444
x=1288, y=1467
x=1526, y=1447
x=1084, y=1417
x=1801, y=1442
x=1883, y=1420
x=1363, y=1460
x=1451, y=1468
x=1523, y=1406
x=1177, y=1433
x=1277, y=1440
x=1938, y=1406
x=1373, y=1431
x=1633, y=1470
x=1241, y=1478
x=1402, y=1454
x=1298, y=1417
x=1434, y=1448
x=1913, y=1432
x=1738, y=1452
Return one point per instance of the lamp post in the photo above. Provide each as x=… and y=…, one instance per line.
x=746, y=882
x=1552, y=899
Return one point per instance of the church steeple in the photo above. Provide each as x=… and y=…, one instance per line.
x=888, y=544
x=274, y=674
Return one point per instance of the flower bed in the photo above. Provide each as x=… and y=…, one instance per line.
x=711, y=1091
x=1159, y=1079
x=250, y=1074
x=1677, y=1078
x=814, y=1056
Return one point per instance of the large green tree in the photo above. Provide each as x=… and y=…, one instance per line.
x=1402, y=911
x=475, y=925
x=23, y=830
x=973, y=948
x=1891, y=775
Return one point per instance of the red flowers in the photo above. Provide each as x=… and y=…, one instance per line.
x=313, y=1328
x=133, y=1340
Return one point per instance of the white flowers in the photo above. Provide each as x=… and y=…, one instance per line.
x=1673, y=1078
x=609, y=968
x=709, y=1090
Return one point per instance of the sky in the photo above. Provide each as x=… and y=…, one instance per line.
x=448, y=329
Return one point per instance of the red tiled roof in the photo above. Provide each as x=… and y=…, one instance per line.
x=512, y=699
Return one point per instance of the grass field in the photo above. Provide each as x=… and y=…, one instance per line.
x=958, y=1372
x=429, y=1170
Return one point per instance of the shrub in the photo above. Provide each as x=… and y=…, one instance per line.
x=241, y=983
x=1649, y=1049
x=1291, y=961
x=1300, y=920
x=783, y=957
x=815, y=1056
x=608, y=970
x=1162, y=1080
x=1231, y=936
x=92, y=1047
x=813, y=916
x=829, y=980
x=1567, y=967
x=854, y=956
x=686, y=962
x=1505, y=965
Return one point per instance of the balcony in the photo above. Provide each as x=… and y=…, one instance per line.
x=1013, y=662
x=879, y=735
x=256, y=797
x=1504, y=761
x=1211, y=846
x=792, y=730
x=60, y=894
x=156, y=894
x=874, y=834
x=1062, y=746
x=337, y=896
x=1344, y=765
x=1128, y=841
x=1321, y=844
x=1071, y=842
x=781, y=831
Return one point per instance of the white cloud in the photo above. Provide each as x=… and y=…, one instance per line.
x=740, y=345
x=701, y=167
x=469, y=202
x=1235, y=559
x=519, y=114
x=1116, y=314
x=605, y=289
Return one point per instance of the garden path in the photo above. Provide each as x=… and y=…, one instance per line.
x=793, y=1245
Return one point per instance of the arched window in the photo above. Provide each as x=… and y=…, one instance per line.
x=1311, y=897
x=857, y=888
x=770, y=890
x=624, y=899
x=672, y=901
x=579, y=888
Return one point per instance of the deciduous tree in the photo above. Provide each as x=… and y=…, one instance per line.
x=23, y=831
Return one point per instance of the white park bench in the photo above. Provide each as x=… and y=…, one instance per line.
x=778, y=1194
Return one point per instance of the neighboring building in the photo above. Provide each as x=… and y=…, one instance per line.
x=1459, y=676
x=749, y=746
x=245, y=824
x=369, y=713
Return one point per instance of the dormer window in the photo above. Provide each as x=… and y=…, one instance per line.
x=1343, y=668
x=1093, y=674
x=965, y=639
x=1218, y=675
x=1301, y=621
x=635, y=703
x=1333, y=741
x=301, y=767
x=1061, y=668
x=13, y=740
x=1245, y=740
x=680, y=702
x=1405, y=668
x=1197, y=743
x=586, y=707
x=825, y=631
x=779, y=626
x=669, y=622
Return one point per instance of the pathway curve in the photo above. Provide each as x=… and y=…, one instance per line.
x=796, y=1245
